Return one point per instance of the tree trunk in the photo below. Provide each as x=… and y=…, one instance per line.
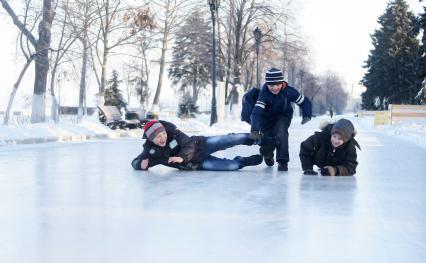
x=194, y=87
x=42, y=63
x=162, y=66
x=104, y=72
x=144, y=94
x=105, y=54
x=82, y=92
x=15, y=88
x=54, y=111
x=163, y=55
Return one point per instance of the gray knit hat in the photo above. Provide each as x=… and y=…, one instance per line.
x=345, y=128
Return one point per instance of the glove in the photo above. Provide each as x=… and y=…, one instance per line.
x=309, y=172
x=305, y=120
x=255, y=136
x=329, y=170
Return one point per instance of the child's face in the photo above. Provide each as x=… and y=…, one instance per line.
x=275, y=88
x=336, y=140
x=161, y=139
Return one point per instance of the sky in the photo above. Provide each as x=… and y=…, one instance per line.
x=337, y=32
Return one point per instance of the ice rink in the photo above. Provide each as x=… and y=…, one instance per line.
x=82, y=202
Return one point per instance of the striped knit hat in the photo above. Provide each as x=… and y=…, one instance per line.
x=152, y=129
x=274, y=76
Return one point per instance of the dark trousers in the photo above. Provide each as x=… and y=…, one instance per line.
x=222, y=142
x=277, y=138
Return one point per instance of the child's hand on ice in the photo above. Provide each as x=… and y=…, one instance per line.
x=144, y=164
x=175, y=159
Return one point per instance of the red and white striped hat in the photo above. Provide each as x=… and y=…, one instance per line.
x=152, y=129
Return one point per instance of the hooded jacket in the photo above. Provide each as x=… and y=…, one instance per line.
x=318, y=150
x=190, y=149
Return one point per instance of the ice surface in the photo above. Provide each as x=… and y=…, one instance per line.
x=82, y=202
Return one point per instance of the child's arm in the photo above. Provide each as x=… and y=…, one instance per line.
x=140, y=162
x=259, y=107
x=307, y=150
x=349, y=165
x=303, y=102
x=143, y=162
x=187, y=146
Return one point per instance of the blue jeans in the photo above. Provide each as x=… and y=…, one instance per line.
x=222, y=142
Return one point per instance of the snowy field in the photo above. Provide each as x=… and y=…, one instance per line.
x=82, y=202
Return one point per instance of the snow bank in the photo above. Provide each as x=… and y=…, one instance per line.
x=410, y=130
x=71, y=130
x=63, y=131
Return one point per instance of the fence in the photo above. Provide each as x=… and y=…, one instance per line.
x=406, y=112
x=396, y=113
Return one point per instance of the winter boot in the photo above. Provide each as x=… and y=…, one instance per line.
x=249, y=161
x=269, y=160
x=282, y=166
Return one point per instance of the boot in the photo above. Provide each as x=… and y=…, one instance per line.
x=282, y=166
x=249, y=161
x=269, y=160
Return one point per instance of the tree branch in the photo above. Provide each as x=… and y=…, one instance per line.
x=18, y=23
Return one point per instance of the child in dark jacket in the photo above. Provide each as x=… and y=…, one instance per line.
x=332, y=150
x=167, y=145
x=272, y=114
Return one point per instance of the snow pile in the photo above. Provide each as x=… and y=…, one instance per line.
x=411, y=130
x=63, y=131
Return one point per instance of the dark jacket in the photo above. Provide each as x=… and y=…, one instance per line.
x=190, y=149
x=270, y=107
x=318, y=150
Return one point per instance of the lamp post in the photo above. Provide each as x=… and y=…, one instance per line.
x=214, y=5
x=257, y=36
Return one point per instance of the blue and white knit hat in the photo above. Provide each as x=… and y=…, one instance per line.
x=274, y=76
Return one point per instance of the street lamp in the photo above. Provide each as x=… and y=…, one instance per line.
x=214, y=5
x=257, y=36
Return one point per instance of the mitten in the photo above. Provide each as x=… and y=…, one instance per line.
x=329, y=170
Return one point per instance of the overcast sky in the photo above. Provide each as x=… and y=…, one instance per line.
x=338, y=33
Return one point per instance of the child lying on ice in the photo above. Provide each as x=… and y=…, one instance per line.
x=167, y=145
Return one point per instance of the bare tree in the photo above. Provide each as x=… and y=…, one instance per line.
x=139, y=69
x=41, y=46
x=169, y=16
x=82, y=18
x=335, y=96
x=15, y=88
x=119, y=23
x=64, y=41
x=241, y=18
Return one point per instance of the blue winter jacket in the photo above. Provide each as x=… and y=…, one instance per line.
x=270, y=107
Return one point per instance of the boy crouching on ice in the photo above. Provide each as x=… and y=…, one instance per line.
x=332, y=150
x=167, y=145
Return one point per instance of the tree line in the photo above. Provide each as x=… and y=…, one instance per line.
x=81, y=37
x=396, y=66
